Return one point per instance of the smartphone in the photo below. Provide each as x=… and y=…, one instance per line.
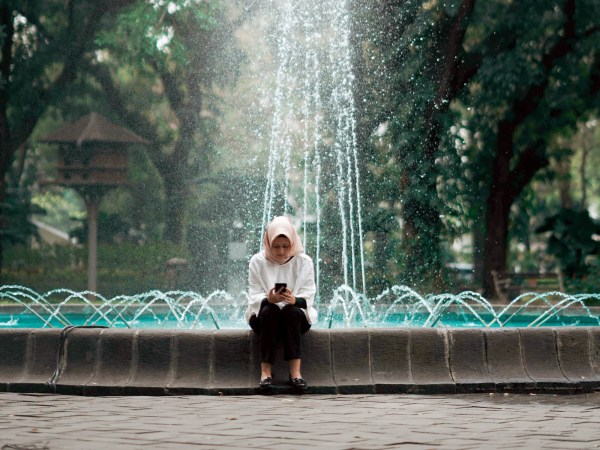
x=280, y=287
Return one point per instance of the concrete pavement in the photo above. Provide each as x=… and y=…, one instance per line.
x=46, y=421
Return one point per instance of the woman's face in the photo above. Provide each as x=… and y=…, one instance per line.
x=281, y=248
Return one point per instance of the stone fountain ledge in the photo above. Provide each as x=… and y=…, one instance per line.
x=94, y=361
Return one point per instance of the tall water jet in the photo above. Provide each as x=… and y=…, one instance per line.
x=313, y=131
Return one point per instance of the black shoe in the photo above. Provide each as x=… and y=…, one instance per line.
x=298, y=383
x=266, y=383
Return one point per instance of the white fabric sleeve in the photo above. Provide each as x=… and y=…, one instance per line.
x=306, y=284
x=256, y=290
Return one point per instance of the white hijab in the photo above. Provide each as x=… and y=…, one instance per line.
x=281, y=226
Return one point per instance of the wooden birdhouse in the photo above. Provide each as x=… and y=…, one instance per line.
x=92, y=160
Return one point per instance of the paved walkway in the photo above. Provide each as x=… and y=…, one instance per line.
x=284, y=422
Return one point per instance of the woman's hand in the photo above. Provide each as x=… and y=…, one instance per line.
x=284, y=296
x=288, y=297
x=274, y=297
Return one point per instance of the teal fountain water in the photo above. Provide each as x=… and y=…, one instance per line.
x=398, y=306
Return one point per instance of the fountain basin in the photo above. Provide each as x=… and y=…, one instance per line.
x=108, y=361
x=21, y=307
x=13, y=317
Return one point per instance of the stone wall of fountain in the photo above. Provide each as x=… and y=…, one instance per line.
x=406, y=360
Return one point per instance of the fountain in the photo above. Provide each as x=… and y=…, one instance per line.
x=398, y=306
x=399, y=342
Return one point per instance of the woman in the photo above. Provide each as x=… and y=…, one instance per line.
x=283, y=313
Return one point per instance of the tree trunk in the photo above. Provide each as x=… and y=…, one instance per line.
x=92, y=204
x=3, y=223
x=6, y=147
x=507, y=184
x=585, y=151
x=496, y=244
x=176, y=197
x=478, y=250
x=421, y=245
x=498, y=210
x=5, y=151
x=563, y=171
x=422, y=224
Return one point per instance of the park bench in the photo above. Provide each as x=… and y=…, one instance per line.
x=510, y=285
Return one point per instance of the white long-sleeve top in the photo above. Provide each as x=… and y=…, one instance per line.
x=298, y=273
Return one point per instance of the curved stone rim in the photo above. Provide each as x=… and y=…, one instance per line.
x=105, y=361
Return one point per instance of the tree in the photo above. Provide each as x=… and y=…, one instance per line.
x=42, y=47
x=536, y=88
x=171, y=55
x=426, y=66
x=571, y=240
x=502, y=70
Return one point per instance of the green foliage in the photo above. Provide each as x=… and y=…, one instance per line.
x=401, y=74
x=571, y=241
x=49, y=36
x=146, y=29
x=62, y=206
x=111, y=229
x=14, y=218
x=588, y=284
x=122, y=269
x=171, y=55
x=382, y=247
x=507, y=53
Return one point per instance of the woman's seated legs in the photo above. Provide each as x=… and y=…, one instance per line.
x=287, y=323
x=267, y=326
x=293, y=325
